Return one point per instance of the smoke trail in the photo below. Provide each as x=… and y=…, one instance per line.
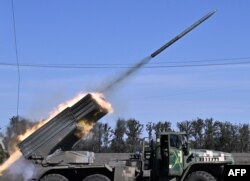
x=144, y=61
x=112, y=84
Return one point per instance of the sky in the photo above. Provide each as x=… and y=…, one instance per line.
x=103, y=38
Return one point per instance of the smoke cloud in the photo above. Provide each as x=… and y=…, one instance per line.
x=22, y=170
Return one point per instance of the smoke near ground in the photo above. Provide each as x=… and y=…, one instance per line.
x=109, y=86
x=22, y=170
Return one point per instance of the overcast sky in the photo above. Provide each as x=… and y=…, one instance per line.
x=106, y=36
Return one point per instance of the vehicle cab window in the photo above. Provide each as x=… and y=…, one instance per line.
x=175, y=141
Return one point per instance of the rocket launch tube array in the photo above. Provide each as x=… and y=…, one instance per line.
x=59, y=132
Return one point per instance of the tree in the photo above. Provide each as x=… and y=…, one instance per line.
x=210, y=128
x=117, y=143
x=244, y=135
x=161, y=127
x=234, y=145
x=133, y=132
x=197, y=132
x=106, y=137
x=224, y=136
x=149, y=129
x=185, y=126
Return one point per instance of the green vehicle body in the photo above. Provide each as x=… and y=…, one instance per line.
x=170, y=157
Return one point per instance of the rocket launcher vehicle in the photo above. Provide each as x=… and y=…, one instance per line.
x=59, y=133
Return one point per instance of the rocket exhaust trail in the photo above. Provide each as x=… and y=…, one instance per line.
x=144, y=61
x=126, y=74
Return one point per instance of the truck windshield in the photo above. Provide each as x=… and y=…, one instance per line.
x=175, y=141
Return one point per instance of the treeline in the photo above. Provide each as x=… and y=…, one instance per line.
x=217, y=135
x=126, y=135
x=201, y=133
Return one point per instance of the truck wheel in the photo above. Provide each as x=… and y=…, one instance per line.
x=96, y=177
x=200, y=176
x=54, y=177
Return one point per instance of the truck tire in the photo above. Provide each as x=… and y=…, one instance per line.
x=54, y=177
x=96, y=177
x=200, y=176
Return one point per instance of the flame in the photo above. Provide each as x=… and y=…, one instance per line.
x=84, y=126
x=14, y=157
x=100, y=99
x=52, y=114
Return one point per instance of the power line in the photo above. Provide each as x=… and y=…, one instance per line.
x=127, y=65
x=201, y=65
x=206, y=60
x=89, y=66
x=17, y=58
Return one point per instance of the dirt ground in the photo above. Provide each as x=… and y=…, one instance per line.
x=242, y=158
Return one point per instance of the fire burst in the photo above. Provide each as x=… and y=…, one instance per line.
x=83, y=127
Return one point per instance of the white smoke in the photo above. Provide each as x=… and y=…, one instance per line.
x=22, y=170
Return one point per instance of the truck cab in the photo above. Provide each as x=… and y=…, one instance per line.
x=170, y=157
x=170, y=154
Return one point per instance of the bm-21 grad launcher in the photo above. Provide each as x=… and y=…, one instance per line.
x=168, y=158
x=52, y=143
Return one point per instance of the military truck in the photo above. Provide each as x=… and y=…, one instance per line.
x=169, y=157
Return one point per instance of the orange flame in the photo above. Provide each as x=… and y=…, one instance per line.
x=52, y=114
x=87, y=126
x=14, y=157
x=83, y=128
x=100, y=99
